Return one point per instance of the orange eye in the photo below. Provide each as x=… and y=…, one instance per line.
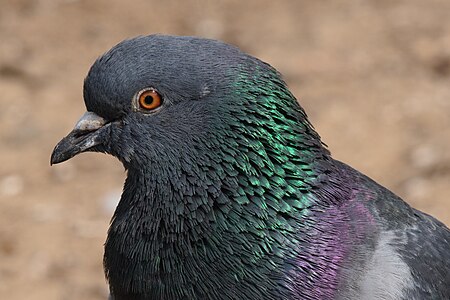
x=149, y=100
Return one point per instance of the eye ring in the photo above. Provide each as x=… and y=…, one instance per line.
x=149, y=99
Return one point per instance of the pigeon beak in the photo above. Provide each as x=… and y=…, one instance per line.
x=86, y=134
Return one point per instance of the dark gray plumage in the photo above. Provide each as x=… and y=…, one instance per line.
x=231, y=194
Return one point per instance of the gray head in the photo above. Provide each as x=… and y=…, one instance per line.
x=187, y=87
x=158, y=97
x=181, y=69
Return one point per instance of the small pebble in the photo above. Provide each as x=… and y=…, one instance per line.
x=424, y=156
x=11, y=185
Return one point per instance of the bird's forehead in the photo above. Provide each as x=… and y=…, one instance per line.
x=182, y=66
x=167, y=54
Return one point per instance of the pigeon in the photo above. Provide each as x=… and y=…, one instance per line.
x=230, y=192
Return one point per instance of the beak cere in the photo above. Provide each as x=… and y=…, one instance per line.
x=87, y=133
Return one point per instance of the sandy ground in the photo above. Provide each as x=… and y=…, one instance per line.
x=374, y=77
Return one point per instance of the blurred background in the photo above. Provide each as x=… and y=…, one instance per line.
x=374, y=77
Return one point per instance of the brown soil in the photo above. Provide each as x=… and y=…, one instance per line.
x=374, y=77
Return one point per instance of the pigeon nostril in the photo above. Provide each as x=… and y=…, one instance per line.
x=89, y=121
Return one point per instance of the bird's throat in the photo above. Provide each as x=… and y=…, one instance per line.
x=158, y=226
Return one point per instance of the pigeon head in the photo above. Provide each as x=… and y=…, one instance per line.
x=156, y=99
x=180, y=69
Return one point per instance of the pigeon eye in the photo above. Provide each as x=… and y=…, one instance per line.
x=149, y=99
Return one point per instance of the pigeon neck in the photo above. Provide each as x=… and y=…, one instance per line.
x=165, y=227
